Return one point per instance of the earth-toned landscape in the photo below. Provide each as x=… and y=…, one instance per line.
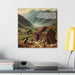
x=34, y=32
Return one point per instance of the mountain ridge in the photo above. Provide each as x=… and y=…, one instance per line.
x=23, y=22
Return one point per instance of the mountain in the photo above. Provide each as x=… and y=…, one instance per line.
x=31, y=16
x=22, y=22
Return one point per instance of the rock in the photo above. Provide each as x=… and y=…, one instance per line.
x=21, y=44
x=45, y=34
x=26, y=41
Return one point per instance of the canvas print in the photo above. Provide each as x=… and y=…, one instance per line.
x=37, y=28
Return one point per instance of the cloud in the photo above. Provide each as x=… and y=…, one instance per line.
x=26, y=10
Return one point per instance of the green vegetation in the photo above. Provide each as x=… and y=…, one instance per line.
x=24, y=33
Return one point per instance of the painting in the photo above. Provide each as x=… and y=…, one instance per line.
x=37, y=28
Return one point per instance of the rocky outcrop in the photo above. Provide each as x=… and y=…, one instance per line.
x=45, y=35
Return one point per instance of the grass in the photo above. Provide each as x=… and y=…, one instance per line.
x=22, y=37
x=23, y=34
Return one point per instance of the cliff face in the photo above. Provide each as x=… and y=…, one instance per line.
x=45, y=34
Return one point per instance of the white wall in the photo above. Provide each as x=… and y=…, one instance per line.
x=9, y=30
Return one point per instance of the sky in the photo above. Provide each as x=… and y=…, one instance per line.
x=26, y=10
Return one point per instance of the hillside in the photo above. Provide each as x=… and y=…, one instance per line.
x=22, y=22
x=31, y=16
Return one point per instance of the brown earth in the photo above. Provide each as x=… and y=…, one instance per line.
x=43, y=37
x=36, y=44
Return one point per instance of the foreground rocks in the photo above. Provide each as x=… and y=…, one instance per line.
x=43, y=37
x=36, y=44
